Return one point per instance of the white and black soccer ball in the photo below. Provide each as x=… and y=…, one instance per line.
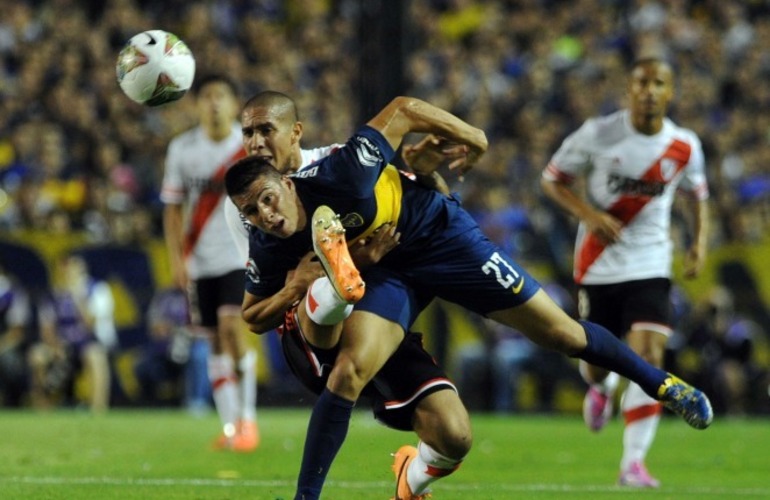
x=155, y=67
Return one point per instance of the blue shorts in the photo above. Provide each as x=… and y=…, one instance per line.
x=460, y=265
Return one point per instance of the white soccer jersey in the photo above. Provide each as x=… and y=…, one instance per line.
x=634, y=177
x=194, y=177
x=238, y=225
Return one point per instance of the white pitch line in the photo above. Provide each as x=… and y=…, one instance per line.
x=370, y=485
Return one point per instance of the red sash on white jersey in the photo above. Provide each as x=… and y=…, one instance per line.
x=627, y=206
x=207, y=202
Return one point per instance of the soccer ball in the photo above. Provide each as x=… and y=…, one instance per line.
x=155, y=67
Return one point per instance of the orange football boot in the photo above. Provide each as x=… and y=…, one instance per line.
x=401, y=460
x=332, y=250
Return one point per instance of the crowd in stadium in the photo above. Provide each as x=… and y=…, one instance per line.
x=77, y=155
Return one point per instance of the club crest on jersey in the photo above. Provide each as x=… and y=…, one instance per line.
x=367, y=153
x=352, y=220
x=668, y=168
x=252, y=271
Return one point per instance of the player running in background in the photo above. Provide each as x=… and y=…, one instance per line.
x=441, y=253
x=634, y=160
x=203, y=256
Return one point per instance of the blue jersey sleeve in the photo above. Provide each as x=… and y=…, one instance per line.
x=355, y=168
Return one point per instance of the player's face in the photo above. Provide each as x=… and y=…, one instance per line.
x=272, y=206
x=217, y=104
x=651, y=90
x=270, y=132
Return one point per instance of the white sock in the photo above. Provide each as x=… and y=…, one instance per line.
x=642, y=414
x=224, y=388
x=323, y=305
x=247, y=365
x=428, y=466
x=606, y=386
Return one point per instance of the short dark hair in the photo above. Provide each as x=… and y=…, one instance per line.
x=245, y=171
x=270, y=98
x=204, y=80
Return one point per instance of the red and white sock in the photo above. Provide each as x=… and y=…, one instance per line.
x=323, y=305
x=247, y=385
x=224, y=388
x=642, y=415
x=427, y=467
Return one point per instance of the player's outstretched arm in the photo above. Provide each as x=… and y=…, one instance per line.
x=404, y=115
x=430, y=153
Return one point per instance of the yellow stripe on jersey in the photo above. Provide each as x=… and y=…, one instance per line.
x=388, y=193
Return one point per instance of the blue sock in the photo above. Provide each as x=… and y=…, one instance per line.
x=605, y=350
x=326, y=432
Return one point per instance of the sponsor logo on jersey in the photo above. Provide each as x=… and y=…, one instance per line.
x=204, y=184
x=617, y=184
x=252, y=271
x=308, y=172
x=245, y=222
x=367, y=153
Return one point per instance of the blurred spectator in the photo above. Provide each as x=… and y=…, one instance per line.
x=517, y=69
x=173, y=366
x=15, y=318
x=726, y=341
x=77, y=331
x=525, y=71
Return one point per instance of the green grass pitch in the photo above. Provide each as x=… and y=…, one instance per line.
x=165, y=455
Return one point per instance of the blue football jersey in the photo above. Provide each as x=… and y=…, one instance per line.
x=360, y=185
x=441, y=253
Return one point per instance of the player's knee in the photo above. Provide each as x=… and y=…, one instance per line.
x=453, y=438
x=446, y=427
x=458, y=440
x=348, y=377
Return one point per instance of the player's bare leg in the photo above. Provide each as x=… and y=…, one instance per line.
x=641, y=412
x=224, y=389
x=543, y=322
x=443, y=426
x=246, y=437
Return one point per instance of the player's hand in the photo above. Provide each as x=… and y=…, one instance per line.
x=606, y=227
x=431, y=152
x=466, y=158
x=307, y=271
x=371, y=250
x=694, y=260
x=180, y=277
